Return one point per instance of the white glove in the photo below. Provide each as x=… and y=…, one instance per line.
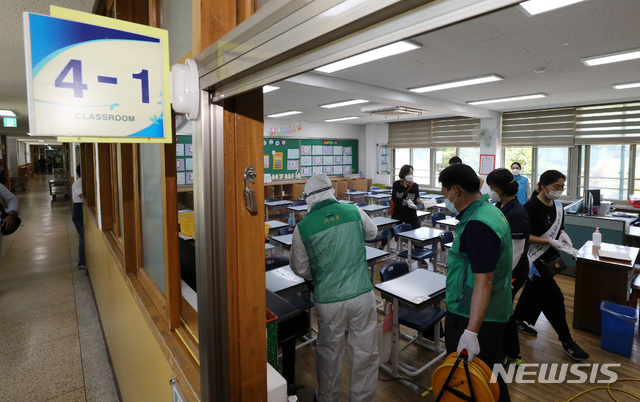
x=557, y=244
x=411, y=205
x=469, y=342
x=564, y=238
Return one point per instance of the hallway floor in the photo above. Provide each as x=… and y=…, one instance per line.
x=51, y=344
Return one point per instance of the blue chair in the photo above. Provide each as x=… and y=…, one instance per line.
x=351, y=190
x=374, y=188
x=436, y=216
x=445, y=237
x=382, y=237
x=418, y=254
x=271, y=263
x=423, y=321
x=360, y=204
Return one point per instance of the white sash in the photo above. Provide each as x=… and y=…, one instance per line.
x=536, y=250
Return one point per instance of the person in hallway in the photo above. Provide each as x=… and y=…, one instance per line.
x=11, y=202
x=541, y=293
x=478, y=287
x=77, y=218
x=328, y=247
x=523, y=183
x=502, y=189
x=405, y=195
x=42, y=165
x=50, y=164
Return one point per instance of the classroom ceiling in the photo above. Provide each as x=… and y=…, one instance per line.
x=508, y=43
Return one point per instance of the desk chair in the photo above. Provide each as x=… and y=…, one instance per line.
x=382, y=237
x=276, y=262
x=445, y=237
x=436, y=216
x=423, y=321
x=274, y=216
x=360, y=204
x=418, y=254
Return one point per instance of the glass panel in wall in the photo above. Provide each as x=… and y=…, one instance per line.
x=151, y=212
x=554, y=158
x=120, y=201
x=442, y=158
x=471, y=157
x=522, y=155
x=421, y=162
x=609, y=170
x=401, y=156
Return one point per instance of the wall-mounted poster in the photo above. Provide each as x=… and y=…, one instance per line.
x=327, y=150
x=277, y=160
x=347, y=151
x=292, y=153
x=348, y=159
x=189, y=178
x=346, y=169
x=305, y=160
x=181, y=177
x=317, y=160
x=337, y=160
x=317, y=169
x=337, y=150
x=316, y=150
x=180, y=165
x=327, y=160
x=188, y=150
x=337, y=169
x=267, y=161
x=179, y=149
x=328, y=170
x=292, y=164
x=305, y=172
x=188, y=164
x=305, y=150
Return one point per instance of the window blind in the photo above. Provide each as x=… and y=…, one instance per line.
x=410, y=134
x=454, y=132
x=608, y=124
x=547, y=127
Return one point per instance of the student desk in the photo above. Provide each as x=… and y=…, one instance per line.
x=275, y=205
x=449, y=223
x=416, y=290
x=284, y=241
x=284, y=282
x=441, y=207
x=600, y=279
x=422, y=215
x=375, y=209
x=354, y=195
x=275, y=226
x=378, y=198
x=383, y=224
x=422, y=237
x=298, y=209
x=269, y=249
x=345, y=201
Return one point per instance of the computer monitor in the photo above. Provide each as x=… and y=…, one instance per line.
x=594, y=197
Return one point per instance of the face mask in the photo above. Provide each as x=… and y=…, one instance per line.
x=554, y=195
x=305, y=195
x=516, y=172
x=494, y=196
x=449, y=204
x=409, y=177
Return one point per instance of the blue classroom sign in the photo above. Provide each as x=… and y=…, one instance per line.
x=97, y=79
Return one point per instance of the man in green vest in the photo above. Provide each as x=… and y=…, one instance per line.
x=478, y=271
x=328, y=247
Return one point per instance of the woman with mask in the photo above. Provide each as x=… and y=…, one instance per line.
x=405, y=196
x=547, y=236
x=523, y=182
x=502, y=189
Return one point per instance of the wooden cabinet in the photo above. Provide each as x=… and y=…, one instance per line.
x=292, y=189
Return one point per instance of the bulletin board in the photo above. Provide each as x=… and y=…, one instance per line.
x=184, y=160
x=291, y=158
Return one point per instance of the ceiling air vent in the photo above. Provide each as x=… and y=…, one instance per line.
x=390, y=110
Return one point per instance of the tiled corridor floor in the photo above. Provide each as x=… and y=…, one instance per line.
x=51, y=344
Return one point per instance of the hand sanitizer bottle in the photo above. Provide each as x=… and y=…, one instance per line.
x=597, y=237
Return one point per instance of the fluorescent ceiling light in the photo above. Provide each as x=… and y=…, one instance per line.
x=342, y=118
x=269, y=88
x=8, y=113
x=40, y=140
x=533, y=7
x=345, y=103
x=627, y=85
x=289, y=113
x=612, y=58
x=510, y=99
x=375, y=54
x=461, y=83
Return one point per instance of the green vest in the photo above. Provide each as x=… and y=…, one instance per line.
x=333, y=235
x=460, y=280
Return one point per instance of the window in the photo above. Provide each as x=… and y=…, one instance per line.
x=609, y=170
x=522, y=155
x=421, y=162
x=442, y=158
x=471, y=157
x=401, y=157
x=554, y=159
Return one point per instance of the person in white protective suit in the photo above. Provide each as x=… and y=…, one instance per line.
x=328, y=248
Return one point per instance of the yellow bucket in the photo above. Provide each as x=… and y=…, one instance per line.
x=187, y=223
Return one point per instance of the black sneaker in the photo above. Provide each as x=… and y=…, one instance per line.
x=575, y=351
x=525, y=329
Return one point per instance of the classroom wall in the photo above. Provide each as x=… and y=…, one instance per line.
x=324, y=131
x=375, y=134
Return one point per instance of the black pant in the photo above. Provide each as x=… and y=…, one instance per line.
x=511, y=341
x=543, y=295
x=489, y=338
x=79, y=224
